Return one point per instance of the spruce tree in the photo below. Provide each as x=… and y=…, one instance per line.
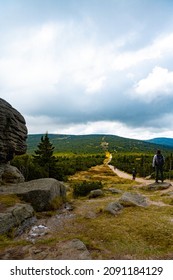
x=44, y=156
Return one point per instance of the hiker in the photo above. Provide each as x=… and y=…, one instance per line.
x=158, y=162
x=134, y=174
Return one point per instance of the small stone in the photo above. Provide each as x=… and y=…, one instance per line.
x=95, y=193
x=114, y=208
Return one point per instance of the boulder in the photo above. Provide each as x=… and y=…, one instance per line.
x=95, y=193
x=114, y=208
x=13, y=132
x=40, y=193
x=73, y=249
x=10, y=174
x=133, y=199
x=15, y=216
x=157, y=186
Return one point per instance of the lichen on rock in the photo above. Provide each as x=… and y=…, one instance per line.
x=13, y=132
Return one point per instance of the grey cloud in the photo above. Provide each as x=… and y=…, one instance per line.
x=75, y=78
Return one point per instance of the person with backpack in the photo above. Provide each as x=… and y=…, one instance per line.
x=134, y=174
x=158, y=162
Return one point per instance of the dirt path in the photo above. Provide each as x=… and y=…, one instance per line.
x=143, y=181
x=125, y=175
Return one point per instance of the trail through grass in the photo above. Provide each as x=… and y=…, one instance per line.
x=135, y=233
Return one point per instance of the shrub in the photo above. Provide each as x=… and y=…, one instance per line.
x=57, y=202
x=84, y=188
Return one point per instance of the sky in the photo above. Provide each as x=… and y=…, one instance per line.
x=89, y=66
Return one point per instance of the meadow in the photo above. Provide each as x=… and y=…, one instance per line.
x=134, y=233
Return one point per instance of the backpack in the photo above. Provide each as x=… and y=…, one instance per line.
x=159, y=160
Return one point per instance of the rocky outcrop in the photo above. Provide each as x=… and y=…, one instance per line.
x=10, y=174
x=13, y=132
x=15, y=216
x=43, y=194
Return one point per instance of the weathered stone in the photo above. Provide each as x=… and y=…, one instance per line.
x=114, y=208
x=10, y=174
x=13, y=132
x=114, y=190
x=133, y=199
x=40, y=193
x=157, y=186
x=74, y=249
x=14, y=216
x=26, y=224
x=95, y=193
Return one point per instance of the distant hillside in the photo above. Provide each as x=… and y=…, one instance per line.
x=162, y=141
x=92, y=144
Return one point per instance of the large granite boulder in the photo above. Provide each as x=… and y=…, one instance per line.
x=15, y=216
x=43, y=194
x=13, y=132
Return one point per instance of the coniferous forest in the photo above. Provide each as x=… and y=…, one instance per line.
x=45, y=163
x=59, y=156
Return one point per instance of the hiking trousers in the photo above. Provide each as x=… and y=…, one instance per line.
x=159, y=173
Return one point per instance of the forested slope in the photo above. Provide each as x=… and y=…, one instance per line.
x=93, y=144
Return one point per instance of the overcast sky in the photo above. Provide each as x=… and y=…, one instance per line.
x=89, y=66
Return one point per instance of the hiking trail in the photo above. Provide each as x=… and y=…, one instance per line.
x=125, y=175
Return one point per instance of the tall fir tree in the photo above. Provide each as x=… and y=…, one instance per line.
x=44, y=156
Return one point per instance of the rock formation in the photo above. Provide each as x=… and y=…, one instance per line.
x=126, y=200
x=36, y=195
x=13, y=132
x=10, y=174
x=14, y=216
x=42, y=194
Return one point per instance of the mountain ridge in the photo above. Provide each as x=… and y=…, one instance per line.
x=161, y=141
x=94, y=143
